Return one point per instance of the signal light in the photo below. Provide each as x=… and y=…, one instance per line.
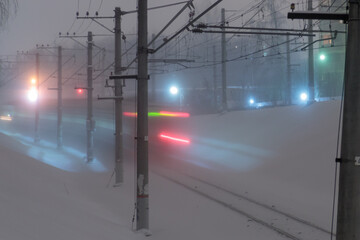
x=79, y=91
x=322, y=57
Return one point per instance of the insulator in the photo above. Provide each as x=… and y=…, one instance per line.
x=292, y=6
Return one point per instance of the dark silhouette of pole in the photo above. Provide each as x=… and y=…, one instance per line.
x=89, y=120
x=153, y=79
x=37, y=138
x=59, y=103
x=223, y=65
x=288, y=72
x=215, y=80
x=348, y=217
x=142, y=175
x=311, y=84
x=119, y=148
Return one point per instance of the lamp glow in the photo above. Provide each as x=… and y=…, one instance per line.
x=303, y=97
x=33, y=94
x=174, y=90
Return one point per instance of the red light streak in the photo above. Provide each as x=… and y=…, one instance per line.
x=130, y=114
x=175, y=114
x=176, y=139
x=160, y=114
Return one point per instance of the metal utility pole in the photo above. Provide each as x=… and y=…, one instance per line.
x=348, y=217
x=288, y=72
x=311, y=85
x=119, y=148
x=59, y=105
x=142, y=174
x=223, y=65
x=215, y=81
x=37, y=138
x=90, y=123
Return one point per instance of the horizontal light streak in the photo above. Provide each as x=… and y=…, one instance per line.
x=160, y=114
x=173, y=138
x=6, y=118
x=174, y=114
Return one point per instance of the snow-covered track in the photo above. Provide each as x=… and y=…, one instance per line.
x=286, y=225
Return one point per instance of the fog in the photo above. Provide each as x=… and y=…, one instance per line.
x=234, y=139
x=40, y=21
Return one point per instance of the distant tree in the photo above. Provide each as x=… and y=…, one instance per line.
x=7, y=8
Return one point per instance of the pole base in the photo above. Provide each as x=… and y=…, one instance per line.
x=144, y=231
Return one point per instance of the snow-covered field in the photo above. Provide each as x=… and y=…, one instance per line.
x=282, y=157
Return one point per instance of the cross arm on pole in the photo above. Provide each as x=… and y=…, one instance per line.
x=318, y=15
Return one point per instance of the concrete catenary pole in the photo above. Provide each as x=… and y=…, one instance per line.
x=89, y=120
x=311, y=84
x=37, y=60
x=215, y=80
x=348, y=217
x=288, y=72
x=142, y=175
x=223, y=65
x=59, y=103
x=153, y=79
x=119, y=148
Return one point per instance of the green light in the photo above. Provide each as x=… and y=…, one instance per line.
x=322, y=57
x=154, y=114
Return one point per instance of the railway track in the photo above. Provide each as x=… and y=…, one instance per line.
x=286, y=225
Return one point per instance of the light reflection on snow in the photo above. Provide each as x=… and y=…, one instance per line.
x=67, y=159
x=208, y=151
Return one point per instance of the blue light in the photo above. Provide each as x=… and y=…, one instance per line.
x=304, y=97
x=174, y=90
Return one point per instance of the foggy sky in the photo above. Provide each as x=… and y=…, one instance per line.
x=40, y=21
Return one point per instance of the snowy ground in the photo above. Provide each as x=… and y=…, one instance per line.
x=282, y=157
